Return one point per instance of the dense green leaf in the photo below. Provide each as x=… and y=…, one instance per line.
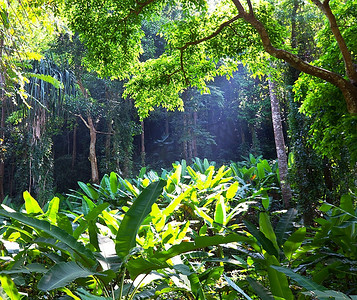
x=236, y=287
x=84, y=254
x=301, y=280
x=31, y=204
x=126, y=236
x=285, y=225
x=61, y=275
x=9, y=287
x=260, y=290
x=279, y=284
x=294, y=242
x=261, y=238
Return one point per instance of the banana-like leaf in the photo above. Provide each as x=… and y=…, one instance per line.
x=260, y=290
x=52, y=211
x=284, y=226
x=279, y=284
x=158, y=260
x=301, y=280
x=9, y=287
x=84, y=254
x=294, y=242
x=91, y=193
x=62, y=274
x=267, y=244
x=113, y=183
x=128, y=229
x=267, y=229
x=236, y=287
x=31, y=205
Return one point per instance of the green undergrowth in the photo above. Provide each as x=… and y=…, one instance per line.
x=192, y=232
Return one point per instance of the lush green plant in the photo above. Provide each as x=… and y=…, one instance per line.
x=69, y=240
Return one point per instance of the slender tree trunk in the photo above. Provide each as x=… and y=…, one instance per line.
x=93, y=137
x=74, y=145
x=92, y=152
x=142, y=154
x=108, y=145
x=280, y=144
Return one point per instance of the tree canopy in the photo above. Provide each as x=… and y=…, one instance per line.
x=207, y=38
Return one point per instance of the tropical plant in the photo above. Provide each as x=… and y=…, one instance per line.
x=144, y=235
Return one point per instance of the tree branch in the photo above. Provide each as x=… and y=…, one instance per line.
x=346, y=54
x=84, y=121
x=212, y=35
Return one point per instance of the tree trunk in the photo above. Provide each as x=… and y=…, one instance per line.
x=93, y=137
x=348, y=86
x=108, y=142
x=279, y=144
x=142, y=154
x=92, y=152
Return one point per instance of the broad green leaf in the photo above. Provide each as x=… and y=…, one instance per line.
x=266, y=165
x=69, y=293
x=85, y=295
x=294, y=242
x=236, y=287
x=175, y=177
x=52, y=211
x=260, y=290
x=203, y=230
x=301, y=280
x=279, y=284
x=158, y=260
x=175, y=203
x=325, y=207
x=84, y=254
x=131, y=188
x=93, y=236
x=232, y=190
x=329, y=294
x=267, y=244
x=208, y=181
x=126, y=236
x=94, y=213
x=9, y=287
x=261, y=172
x=266, y=203
x=47, y=78
x=61, y=275
x=196, y=286
x=31, y=205
x=285, y=225
x=346, y=204
x=110, y=221
x=266, y=227
x=202, y=214
x=220, y=212
x=91, y=193
x=219, y=176
x=113, y=182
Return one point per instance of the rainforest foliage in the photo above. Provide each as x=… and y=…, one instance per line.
x=178, y=149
